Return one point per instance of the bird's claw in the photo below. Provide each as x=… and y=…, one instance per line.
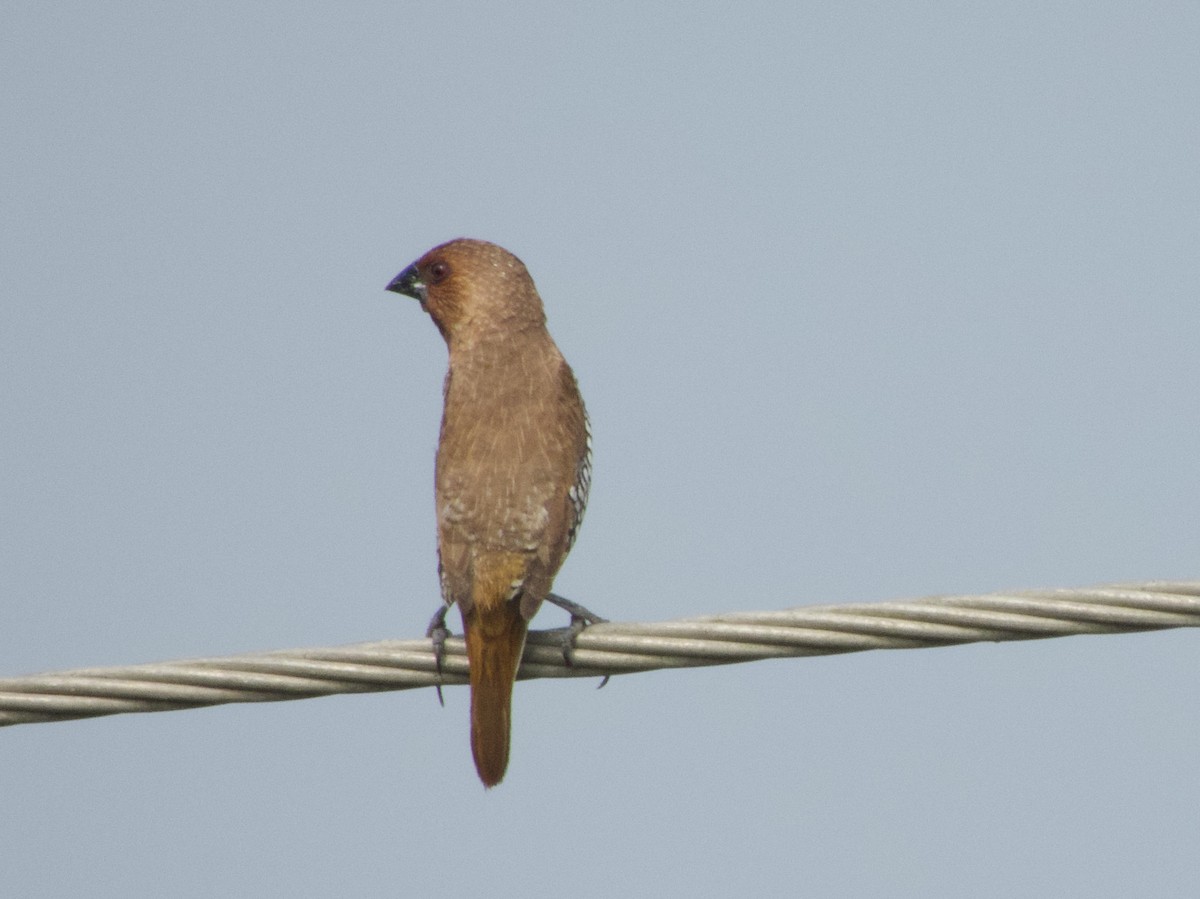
x=581, y=617
x=438, y=632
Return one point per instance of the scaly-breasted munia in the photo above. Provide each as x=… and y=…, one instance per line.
x=513, y=466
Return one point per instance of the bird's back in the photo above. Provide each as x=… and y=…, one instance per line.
x=513, y=447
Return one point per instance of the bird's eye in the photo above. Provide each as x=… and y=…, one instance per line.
x=439, y=271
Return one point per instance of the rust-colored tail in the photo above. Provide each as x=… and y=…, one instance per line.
x=495, y=639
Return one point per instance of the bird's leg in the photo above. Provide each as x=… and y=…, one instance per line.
x=581, y=617
x=438, y=631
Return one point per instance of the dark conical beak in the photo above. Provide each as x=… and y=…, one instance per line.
x=409, y=283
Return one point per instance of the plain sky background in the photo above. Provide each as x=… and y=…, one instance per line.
x=867, y=302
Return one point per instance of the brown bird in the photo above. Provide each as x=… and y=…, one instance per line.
x=513, y=467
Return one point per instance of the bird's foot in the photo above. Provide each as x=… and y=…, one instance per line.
x=438, y=632
x=581, y=617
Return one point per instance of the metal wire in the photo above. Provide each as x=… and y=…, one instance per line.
x=606, y=649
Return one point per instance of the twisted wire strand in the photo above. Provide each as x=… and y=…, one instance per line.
x=610, y=648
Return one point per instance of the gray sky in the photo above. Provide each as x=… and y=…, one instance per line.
x=867, y=301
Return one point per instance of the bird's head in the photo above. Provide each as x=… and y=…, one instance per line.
x=471, y=289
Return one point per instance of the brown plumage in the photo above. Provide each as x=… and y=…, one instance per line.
x=513, y=466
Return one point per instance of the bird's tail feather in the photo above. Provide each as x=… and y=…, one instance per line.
x=495, y=639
